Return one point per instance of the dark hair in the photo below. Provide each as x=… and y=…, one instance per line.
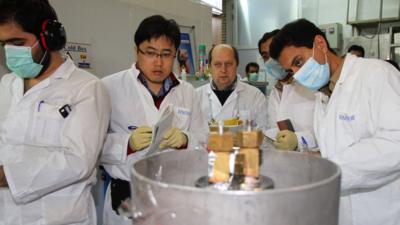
x=265, y=37
x=357, y=48
x=29, y=14
x=299, y=33
x=394, y=63
x=155, y=27
x=251, y=64
x=235, y=53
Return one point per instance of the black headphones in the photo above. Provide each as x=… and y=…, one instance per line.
x=52, y=36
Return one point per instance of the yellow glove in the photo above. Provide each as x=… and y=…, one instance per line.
x=173, y=138
x=140, y=138
x=286, y=140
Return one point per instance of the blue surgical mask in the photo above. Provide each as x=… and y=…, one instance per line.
x=275, y=69
x=19, y=60
x=313, y=75
x=253, y=76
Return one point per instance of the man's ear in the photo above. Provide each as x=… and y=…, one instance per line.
x=321, y=43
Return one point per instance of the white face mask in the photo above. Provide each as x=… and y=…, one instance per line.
x=313, y=75
x=275, y=69
x=19, y=60
x=253, y=76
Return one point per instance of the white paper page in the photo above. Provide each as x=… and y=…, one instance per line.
x=159, y=130
x=271, y=134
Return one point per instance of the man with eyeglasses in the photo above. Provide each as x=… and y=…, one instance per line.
x=225, y=97
x=139, y=96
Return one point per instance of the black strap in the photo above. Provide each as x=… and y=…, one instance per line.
x=120, y=191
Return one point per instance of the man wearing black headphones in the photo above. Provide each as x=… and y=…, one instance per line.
x=53, y=120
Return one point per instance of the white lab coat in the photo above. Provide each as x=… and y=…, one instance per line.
x=244, y=101
x=296, y=103
x=49, y=161
x=264, y=76
x=360, y=131
x=133, y=105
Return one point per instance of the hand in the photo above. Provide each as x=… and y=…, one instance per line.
x=173, y=138
x=286, y=140
x=3, y=180
x=140, y=138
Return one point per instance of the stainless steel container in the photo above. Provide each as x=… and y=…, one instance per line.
x=306, y=192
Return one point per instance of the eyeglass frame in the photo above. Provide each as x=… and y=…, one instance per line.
x=154, y=55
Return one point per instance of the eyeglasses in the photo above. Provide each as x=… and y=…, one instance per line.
x=154, y=55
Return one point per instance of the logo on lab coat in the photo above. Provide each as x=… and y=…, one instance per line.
x=183, y=111
x=346, y=117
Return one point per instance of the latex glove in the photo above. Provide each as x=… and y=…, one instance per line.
x=286, y=140
x=140, y=138
x=173, y=138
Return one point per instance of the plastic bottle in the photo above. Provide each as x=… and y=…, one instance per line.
x=183, y=74
x=202, y=60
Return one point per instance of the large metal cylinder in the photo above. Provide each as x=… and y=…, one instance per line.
x=306, y=192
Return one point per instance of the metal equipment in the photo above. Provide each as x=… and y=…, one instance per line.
x=306, y=192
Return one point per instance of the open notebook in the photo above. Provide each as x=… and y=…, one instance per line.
x=159, y=129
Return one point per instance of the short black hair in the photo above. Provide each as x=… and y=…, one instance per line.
x=265, y=37
x=235, y=53
x=29, y=14
x=156, y=26
x=299, y=33
x=251, y=64
x=357, y=48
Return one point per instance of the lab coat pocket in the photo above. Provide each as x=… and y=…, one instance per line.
x=46, y=125
x=182, y=118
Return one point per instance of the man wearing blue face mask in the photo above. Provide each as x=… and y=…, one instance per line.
x=53, y=121
x=356, y=120
x=263, y=49
x=289, y=100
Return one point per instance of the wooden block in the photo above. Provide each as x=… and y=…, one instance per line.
x=251, y=161
x=249, y=139
x=239, y=164
x=221, y=168
x=220, y=143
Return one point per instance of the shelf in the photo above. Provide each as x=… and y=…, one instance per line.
x=372, y=21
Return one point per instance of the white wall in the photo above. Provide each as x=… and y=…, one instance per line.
x=255, y=17
x=109, y=26
x=328, y=11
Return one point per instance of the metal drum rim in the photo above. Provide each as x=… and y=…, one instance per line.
x=236, y=193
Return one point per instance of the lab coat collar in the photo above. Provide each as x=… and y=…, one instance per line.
x=240, y=86
x=64, y=71
x=230, y=87
x=347, y=65
x=136, y=71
